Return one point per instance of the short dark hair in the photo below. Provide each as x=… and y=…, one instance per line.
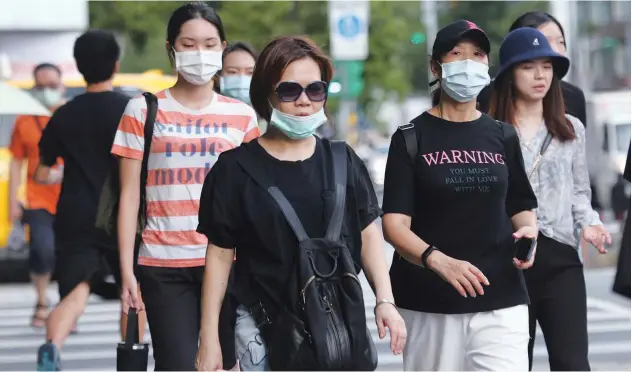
x=502, y=106
x=274, y=59
x=96, y=53
x=44, y=66
x=241, y=46
x=191, y=11
x=535, y=20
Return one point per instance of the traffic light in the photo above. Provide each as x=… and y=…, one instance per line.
x=417, y=38
x=609, y=42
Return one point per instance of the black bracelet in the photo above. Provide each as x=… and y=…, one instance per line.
x=424, y=256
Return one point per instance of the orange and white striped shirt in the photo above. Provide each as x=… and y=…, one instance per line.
x=186, y=144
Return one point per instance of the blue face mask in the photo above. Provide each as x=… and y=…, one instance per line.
x=298, y=127
x=236, y=86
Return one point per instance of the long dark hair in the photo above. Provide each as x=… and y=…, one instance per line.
x=502, y=106
x=187, y=12
x=535, y=20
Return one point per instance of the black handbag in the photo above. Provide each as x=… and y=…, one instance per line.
x=132, y=355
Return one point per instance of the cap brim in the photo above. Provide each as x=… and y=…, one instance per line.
x=479, y=37
x=560, y=63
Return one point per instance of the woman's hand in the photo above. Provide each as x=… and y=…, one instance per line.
x=462, y=275
x=530, y=232
x=387, y=316
x=597, y=235
x=129, y=294
x=209, y=356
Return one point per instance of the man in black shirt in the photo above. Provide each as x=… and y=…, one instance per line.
x=81, y=132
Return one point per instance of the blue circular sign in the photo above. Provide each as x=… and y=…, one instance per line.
x=349, y=26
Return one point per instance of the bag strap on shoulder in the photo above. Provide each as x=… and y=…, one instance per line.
x=339, y=163
x=150, y=120
x=410, y=139
x=509, y=145
x=339, y=157
x=261, y=178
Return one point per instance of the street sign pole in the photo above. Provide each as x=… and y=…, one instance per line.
x=349, y=41
x=429, y=19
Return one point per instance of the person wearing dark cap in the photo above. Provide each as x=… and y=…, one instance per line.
x=456, y=196
x=528, y=95
x=551, y=28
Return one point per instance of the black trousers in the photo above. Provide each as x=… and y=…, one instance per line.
x=172, y=299
x=558, y=303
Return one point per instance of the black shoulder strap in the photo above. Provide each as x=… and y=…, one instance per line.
x=258, y=175
x=339, y=164
x=507, y=135
x=410, y=138
x=150, y=120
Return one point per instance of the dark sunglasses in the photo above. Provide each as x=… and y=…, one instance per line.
x=290, y=91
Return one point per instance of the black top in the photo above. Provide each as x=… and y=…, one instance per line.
x=81, y=132
x=574, y=100
x=237, y=213
x=626, y=171
x=460, y=193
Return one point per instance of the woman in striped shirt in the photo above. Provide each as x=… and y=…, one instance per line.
x=193, y=126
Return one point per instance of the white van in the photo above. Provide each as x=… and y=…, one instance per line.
x=607, y=139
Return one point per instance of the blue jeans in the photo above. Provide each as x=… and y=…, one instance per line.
x=250, y=348
x=42, y=246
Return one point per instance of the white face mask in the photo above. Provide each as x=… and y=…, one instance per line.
x=198, y=66
x=464, y=80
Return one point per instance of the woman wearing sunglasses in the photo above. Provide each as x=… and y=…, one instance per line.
x=456, y=196
x=528, y=94
x=289, y=91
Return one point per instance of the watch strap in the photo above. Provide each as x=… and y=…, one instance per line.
x=424, y=256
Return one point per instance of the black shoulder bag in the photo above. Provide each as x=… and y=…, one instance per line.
x=107, y=214
x=329, y=331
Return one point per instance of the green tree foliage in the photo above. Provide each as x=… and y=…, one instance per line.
x=395, y=66
x=495, y=17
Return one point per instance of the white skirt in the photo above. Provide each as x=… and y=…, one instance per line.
x=489, y=341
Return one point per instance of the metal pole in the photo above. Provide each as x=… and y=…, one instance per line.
x=342, y=126
x=429, y=19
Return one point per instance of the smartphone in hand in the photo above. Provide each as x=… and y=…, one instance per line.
x=524, y=249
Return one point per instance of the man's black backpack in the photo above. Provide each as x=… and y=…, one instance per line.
x=329, y=332
x=107, y=214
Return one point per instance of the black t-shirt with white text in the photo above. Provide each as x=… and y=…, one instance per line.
x=235, y=212
x=81, y=132
x=460, y=192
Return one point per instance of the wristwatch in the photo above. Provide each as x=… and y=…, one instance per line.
x=424, y=256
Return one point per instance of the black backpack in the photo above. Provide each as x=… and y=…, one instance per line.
x=329, y=332
x=107, y=213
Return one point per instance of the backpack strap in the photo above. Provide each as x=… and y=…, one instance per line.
x=339, y=164
x=507, y=138
x=258, y=175
x=410, y=138
x=150, y=120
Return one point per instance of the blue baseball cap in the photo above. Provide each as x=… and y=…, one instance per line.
x=526, y=44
